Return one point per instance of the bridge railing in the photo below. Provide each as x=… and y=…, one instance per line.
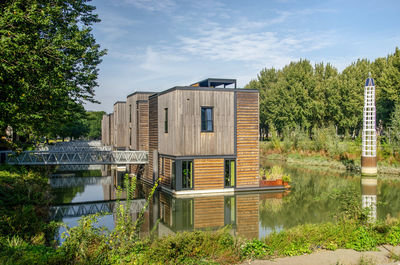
x=66, y=148
x=75, y=158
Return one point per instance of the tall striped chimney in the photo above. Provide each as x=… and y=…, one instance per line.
x=368, y=156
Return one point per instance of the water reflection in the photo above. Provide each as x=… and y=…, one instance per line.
x=251, y=215
x=369, y=188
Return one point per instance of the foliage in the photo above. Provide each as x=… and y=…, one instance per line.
x=93, y=122
x=276, y=172
x=306, y=96
x=24, y=201
x=48, y=63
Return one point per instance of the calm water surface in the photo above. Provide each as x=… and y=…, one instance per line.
x=311, y=200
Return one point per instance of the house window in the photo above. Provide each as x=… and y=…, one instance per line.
x=166, y=120
x=230, y=173
x=130, y=136
x=187, y=174
x=130, y=113
x=207, y=119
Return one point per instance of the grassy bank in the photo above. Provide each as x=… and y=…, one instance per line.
x=333, y=153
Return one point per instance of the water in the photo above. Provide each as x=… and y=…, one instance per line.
x=253, y=215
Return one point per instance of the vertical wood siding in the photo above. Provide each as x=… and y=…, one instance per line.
x=153, y=133
x=184, y=137
x=120, y=125
x=208, y=174
x=247, y=122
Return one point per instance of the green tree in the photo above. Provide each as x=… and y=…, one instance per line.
x=394, y=131
x=48, y=62
x=93, y=122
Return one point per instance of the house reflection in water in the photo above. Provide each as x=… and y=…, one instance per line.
x=170, y=214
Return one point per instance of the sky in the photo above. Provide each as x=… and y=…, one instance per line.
x=154, y=45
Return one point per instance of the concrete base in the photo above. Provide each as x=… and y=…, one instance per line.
x=369, y=171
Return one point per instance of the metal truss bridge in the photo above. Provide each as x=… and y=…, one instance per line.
x=84, y=157
x=86, y=208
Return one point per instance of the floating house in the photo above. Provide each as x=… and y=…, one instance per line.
x=201, y=138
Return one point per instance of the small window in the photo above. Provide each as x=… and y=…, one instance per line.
x=230, y=173
x=166, y=120
x=207, y=119
x=130, y=113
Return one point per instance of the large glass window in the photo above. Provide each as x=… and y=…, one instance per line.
x=166, y=120
x=187, y=174
x=230, y=173
x=207, y=119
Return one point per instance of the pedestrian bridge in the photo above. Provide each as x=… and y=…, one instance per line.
x=75, y=157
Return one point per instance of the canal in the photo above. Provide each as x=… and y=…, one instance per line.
x=314, y=197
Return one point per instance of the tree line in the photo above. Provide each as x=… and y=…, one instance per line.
x=306, y=96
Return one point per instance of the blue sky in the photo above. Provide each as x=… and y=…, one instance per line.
x=154, y=45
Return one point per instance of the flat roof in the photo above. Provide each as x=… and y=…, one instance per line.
x=214, y=82
x=194, y=88
x=140, y=92
x=118, y=102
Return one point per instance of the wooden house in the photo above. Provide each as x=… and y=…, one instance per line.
x=204, y=138
x=120, y=130
x=137, y=105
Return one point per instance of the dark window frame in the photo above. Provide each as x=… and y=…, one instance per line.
x=130, y=112
x=205, y=121
x=166, y=120
x=230, y=172
x=192, y=174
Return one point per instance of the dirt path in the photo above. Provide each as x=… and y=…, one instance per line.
x=340, y=257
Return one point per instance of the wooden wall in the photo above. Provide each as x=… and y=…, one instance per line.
x=208, y=174
x=247, y=215
x=247, y=163
x=120, y=125
x=142, y=114
x=166, y=169
x=153, y=133
x=105, y=130
x=111, y=129
x=184, y=137
x=132, y=117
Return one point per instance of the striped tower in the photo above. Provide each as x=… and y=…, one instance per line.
x=368, y=156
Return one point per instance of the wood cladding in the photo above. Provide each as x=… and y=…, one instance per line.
x=247, y=134
x=153, y=133
x=208, y=212
x=247, y=213
x=184, y=137
x=165, y=171
x=105, y=130
x=133, y=114
x=208, y=174
x=143, y=122
x=120, y=125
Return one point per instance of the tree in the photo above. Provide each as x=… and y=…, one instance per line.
x=93, y=122
x=48, y=62
x=394, y=131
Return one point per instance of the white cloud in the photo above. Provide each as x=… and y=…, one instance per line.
x=241, y=44
x=152, y=5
